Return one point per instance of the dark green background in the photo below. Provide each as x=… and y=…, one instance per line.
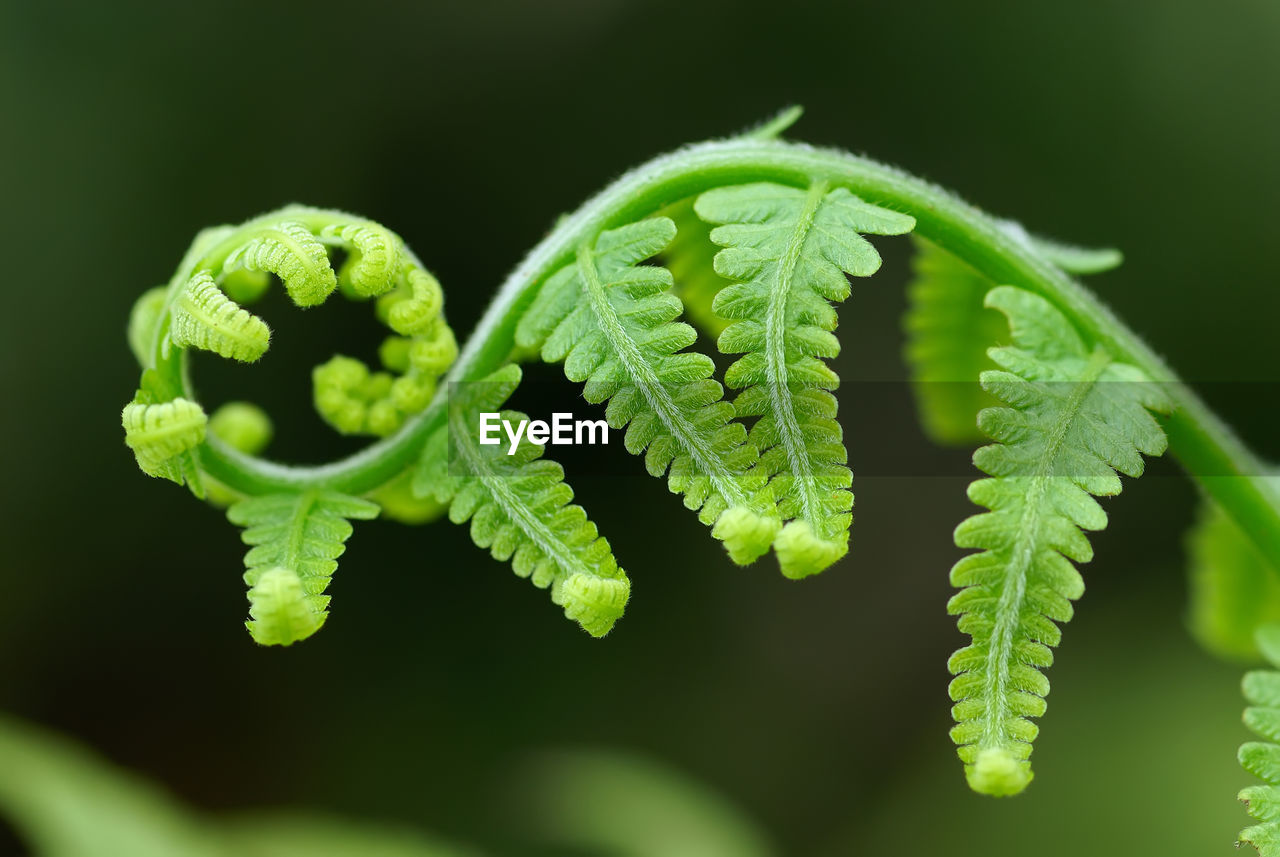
x=820, y=708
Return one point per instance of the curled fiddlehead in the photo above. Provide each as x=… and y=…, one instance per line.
x=298, y=533
x=754, y=240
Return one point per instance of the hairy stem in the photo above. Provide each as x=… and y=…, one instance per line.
x=1210, y=452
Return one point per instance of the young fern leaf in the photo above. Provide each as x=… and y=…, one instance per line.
x=948, y=332
x=164, y=432
x=612, y=323
x=375, y=256
x=519, y=506
x=289, y=250
x=296, y=540
x=205, y=318
x=350, y=397
x=1076, y=417
x=1262, y=758
x=162, y=436
x=1233, y=589
x=788, y=251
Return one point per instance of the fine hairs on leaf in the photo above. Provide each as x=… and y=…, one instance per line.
x=757, y=241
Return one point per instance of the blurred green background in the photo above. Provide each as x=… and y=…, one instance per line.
x=819, y=709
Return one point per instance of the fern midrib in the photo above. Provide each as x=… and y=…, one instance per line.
x=784, y=412
x=533, y=528
x=165, y=431
x=194, y=309
x=1012, y=594
x=646, y=380
x=298, y=531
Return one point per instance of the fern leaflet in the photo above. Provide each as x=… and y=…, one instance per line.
x=788, y=251
x=164, y=433
x=519, y=507
x=612, y=323
x=1233, y=589
x=289, y=250
x=1076, y=417
x=948, y=333
x=296, y=540
x=1262, y=758
x=205, y=318
x=1069, y=257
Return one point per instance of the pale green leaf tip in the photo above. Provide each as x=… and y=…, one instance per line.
x=595, y=603
x=280, y=610
x=746, y=534
x=998, y=773
x=802, y=553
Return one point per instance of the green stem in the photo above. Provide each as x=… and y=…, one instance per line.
x=1209, y=451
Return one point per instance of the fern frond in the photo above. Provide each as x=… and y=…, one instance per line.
x=289, y=250
x=1076, y=417
x=948, y=333
x=788, y=251
x=1262, y=758
x=612, y=323
x=296, y=540
x=519, y=507
x=162, y=436
x=1233, y=589
x=205, y=318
